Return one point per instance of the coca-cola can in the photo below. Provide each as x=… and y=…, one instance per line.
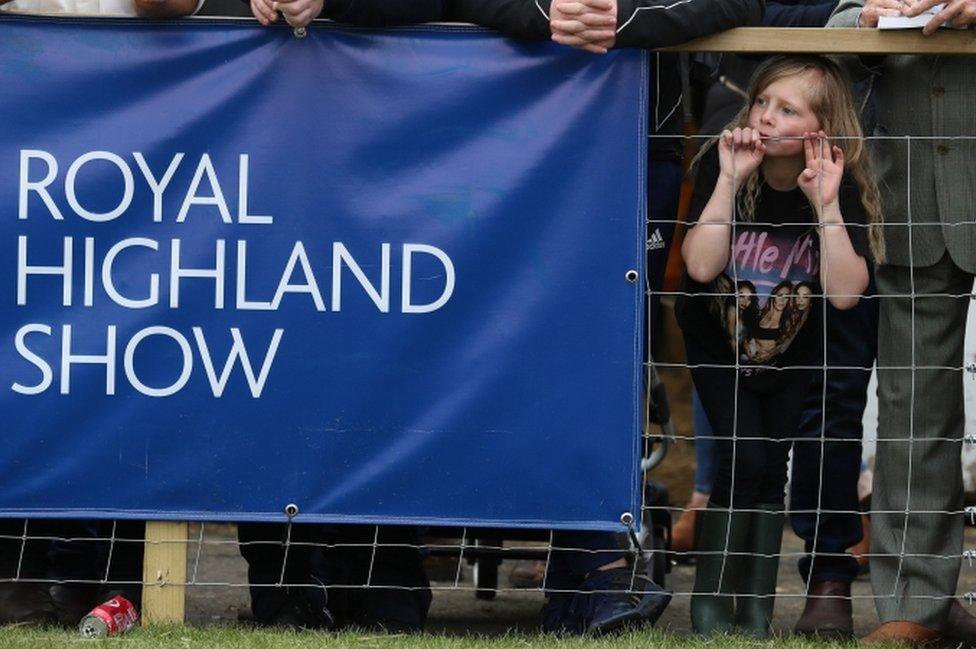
x=114, y=617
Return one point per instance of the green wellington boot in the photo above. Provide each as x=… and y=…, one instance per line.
x=757, y=594
x=718, y=569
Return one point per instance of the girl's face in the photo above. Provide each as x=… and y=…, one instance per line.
x=802, y=299
x=781, y=110
x=781, y=298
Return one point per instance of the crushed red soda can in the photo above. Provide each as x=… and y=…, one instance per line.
x=114, y=617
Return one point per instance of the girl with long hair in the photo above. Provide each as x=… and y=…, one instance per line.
x=778, y=203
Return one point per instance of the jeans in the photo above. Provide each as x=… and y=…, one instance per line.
x=705, y=465
x=825, y=472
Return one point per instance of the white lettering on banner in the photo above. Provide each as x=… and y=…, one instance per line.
x=109, y=285
x=242, y=302
x=130, y=368
x=310, y=286
x=340, y=257
x=135, y=272
x=23, y=270
x=298, y=275
x=158, y=186
x=205, y=167
x=238, y=355
x=46, y=375
x=408, y=250
x=107, y=359
x=71, y=178
x=177, y=272
x=238, y=351
x=38, y=186
x=33, y=181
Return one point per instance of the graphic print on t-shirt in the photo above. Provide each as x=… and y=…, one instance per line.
x=765, y=293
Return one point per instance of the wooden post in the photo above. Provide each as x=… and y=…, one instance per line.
x=164, y=573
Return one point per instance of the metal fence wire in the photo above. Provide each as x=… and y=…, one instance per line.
x=478, y=563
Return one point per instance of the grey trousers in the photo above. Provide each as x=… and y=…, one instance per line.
x=916, y=547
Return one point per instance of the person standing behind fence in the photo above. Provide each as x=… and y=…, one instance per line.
x=823, y=480
x=723, y=97
x=924, y=287
x=825, y=473
x=775, y=201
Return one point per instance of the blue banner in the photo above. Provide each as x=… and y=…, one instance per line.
x=380, y=275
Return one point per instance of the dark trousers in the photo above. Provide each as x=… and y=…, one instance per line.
x=827, y=463
x=752, y=423
x=87, y=551
x=385, y=586
x=584, y=552
x=74, y=551
x=263, y=546
x=663, y=193
x=25, y=559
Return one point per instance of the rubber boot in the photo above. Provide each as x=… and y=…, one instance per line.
x=718, y=569
x=757, y=595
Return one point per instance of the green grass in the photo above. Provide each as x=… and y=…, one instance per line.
x=185, y=637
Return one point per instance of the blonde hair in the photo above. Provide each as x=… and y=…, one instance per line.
x=832, y=102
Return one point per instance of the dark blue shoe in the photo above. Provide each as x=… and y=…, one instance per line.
x=618, y=599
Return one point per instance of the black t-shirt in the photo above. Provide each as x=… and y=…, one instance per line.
x=763, y=308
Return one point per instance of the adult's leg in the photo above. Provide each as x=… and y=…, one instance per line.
x=827, y=461
x=826, y=468
x=915, y=548
x=398, y=595
x=705, y=466
x=283, y=589
x=127, y=552
x=77, y=561
x=22, y=563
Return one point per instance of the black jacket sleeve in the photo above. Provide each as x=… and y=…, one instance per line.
x=658, y=23
x=522, y=19
x=799, y=13
x=378, y=13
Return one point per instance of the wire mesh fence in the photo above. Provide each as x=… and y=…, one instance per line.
x=923, y=433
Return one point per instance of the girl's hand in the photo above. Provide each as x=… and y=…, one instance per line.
x=820, y=181
x=298, y=13
x=740, y=153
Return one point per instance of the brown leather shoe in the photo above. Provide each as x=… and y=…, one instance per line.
x=827, y=613
x=902, y=632
x=960, y=625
